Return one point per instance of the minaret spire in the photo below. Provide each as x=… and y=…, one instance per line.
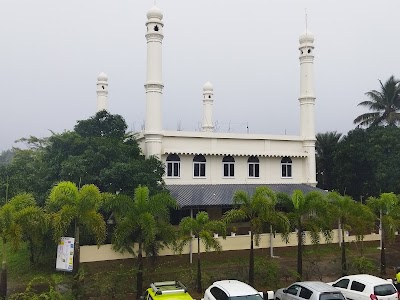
x=307, y=101
x=208, y=99
x=154, y=85
x=102, y=92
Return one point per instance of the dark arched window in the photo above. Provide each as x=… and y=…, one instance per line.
x=254, y=166
x=199, y=166
x=173, y=165
x=286, y=165
x=229, y=166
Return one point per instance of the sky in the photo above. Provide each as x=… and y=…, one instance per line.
x=52, y=51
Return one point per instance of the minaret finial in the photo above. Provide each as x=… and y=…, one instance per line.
x=305, y=10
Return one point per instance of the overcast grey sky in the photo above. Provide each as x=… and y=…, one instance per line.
x=51, y=52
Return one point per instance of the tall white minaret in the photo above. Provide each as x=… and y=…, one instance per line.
x=102, y=92
x=154, y=85
x=208, y=99
x=307, y=103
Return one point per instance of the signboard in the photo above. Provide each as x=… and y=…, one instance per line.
x=65, y=254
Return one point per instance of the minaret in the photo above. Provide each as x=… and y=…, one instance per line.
x=154, y=85
x=102, y=92
x=208, y=100
x=307, y=102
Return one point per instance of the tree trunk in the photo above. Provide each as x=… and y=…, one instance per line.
x=77, y=250
x=383, y=254
x=299, y=251
x=3, y=280
x=139, y=274
x=199, y=285
x=251, y=263
x=344, y=263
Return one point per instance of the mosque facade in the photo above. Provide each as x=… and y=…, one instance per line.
x=204, y=168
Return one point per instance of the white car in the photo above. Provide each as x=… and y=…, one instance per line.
x=366, y=287
x=309, y=290
x=233, y=290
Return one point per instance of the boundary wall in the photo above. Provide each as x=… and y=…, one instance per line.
x=232, y=242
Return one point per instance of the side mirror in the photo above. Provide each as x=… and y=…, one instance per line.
x=285, y=291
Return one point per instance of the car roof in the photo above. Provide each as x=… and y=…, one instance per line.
x=367, y=279
x=318, y=286
x=235, y=287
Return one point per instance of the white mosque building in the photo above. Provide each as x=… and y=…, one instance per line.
x=203, y=169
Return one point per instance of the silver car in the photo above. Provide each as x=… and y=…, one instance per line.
x=309, y=290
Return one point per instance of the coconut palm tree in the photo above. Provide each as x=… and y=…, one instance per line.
x=387, y=211
x=348, y=213
x=78, y=208
x=203, y=229
x=384, y=104
x=306, y=213
x=139, y=220
x=259, y=210
x=325, y=147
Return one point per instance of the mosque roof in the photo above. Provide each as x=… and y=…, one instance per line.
x=204, y=195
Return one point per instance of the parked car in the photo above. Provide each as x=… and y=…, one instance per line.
x=166, y=290
x=234, y=290
x=309, y=290
x=366, y=287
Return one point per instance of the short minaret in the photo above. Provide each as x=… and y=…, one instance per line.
x=307, y=102
x=208, y=99
x=154, y=85
x=102, y=92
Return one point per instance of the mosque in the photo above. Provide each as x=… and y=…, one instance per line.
x=204, y=169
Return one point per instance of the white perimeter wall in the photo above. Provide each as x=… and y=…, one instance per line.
x=238, y=242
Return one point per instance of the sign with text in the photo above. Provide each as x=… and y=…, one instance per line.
x=65, y=254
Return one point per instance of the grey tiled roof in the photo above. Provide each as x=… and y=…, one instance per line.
x=202, y=195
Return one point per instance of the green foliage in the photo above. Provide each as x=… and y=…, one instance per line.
x=367, y=162
x=364, y=265
x=268, y=270
x=384, y=104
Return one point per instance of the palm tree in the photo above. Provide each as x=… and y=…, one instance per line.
x=385, y=105
x=203, y=228
x=387, y=211
x=140, y=220
x=259, y=210
x=11, y=229
x=75, y=207
x=306, y=213
x=349, y=213
x=325, y=147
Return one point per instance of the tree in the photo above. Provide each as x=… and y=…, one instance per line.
x=203, y=228
x=385, y=105
x=11, y=230
x=348, y=212
x=306, y=213
x=73, y=207
x=325, y=148
x=387, y=211
x=259, y=210
x=140, y=220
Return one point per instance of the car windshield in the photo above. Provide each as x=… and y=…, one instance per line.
x=384, y=290
x=331, y=296
x=248, y=297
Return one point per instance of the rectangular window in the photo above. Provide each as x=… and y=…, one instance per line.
x=254, y=170
x=287, y=170
x=229, y=169
x=173, y=169
x=199, y=169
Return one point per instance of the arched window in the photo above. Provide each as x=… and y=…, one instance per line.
x=229, y=166
x=254, y=166
x=286, y=165
x=173, y=166
x=199, y=166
